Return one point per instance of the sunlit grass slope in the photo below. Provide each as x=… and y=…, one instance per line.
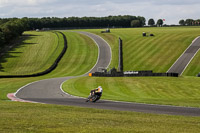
x=153, y=90
x=27, y=117
x=39, y=51
x=194, y=67
x=79, y=58
x=36, y=53
x=156, y=53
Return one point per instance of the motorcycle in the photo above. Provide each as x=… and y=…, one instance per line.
x=94, y=97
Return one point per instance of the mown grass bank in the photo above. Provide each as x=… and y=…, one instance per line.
x=194, y=67
x=27, y=117
x=153, y=90
x=156, y=53
x=36, y=53
x=80, y=57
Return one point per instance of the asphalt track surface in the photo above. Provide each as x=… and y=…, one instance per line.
x=49, y=91
x=183, y=61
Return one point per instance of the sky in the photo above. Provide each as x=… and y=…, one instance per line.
x=170, y=10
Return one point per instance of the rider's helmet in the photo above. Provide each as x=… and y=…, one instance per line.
x=100, y=89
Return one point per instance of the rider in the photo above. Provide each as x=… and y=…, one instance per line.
x=97, y=91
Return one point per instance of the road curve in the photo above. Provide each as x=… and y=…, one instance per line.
x=50, y=88
x=49, y=91
x=183, y=61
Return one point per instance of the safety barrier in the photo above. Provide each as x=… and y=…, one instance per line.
x=134, y=74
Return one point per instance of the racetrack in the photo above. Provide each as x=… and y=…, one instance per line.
x=183, y=61
x=49, y=91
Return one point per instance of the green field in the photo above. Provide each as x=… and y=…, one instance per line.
x=156, y=53
x=37, y=118
x=184, y=91
x=79, y=59
x=81, y=49
x=147, y=53
x=39, y=50
x=194, y=67
x=18, y=60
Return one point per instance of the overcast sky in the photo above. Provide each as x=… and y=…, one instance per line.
x=170, y=10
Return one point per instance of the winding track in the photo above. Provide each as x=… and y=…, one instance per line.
x=49, y=91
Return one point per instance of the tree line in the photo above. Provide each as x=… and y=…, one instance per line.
x=189, y=22
x=13, y=27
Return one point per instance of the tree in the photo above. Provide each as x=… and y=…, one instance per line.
x=182, y=22
x=151, y=22
x=160, y=22
x=1, y=38
x=189, y=22
x=11, y=28
x=135, y=23
x=142, y=21
x=198, y=21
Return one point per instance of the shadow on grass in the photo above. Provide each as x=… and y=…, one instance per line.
x=9, y=51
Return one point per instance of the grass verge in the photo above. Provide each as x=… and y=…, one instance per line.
x=183, y=91
x=26, y=117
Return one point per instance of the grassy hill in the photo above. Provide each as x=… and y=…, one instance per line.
x=27, y=117
x=156, y=53
x=25, y=58
x=39, y=50
x=194, y=67
x=80, y=57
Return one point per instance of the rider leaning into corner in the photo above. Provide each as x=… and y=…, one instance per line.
x=97, y=91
